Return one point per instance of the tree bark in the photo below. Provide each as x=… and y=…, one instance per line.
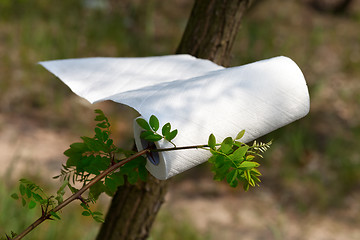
x=133, y=210
x=209, y=34
x=212, y=28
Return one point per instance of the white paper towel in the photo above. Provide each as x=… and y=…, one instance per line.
x=196, y=96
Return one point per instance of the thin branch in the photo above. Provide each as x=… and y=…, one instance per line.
x=178, y=148
x=78, y=194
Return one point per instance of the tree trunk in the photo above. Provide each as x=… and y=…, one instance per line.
x=212, y=28
x=133, y=210
x=209, y=34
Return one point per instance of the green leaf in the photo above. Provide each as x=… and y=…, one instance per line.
x=93, y=144
x=219, y=160
x=23, y=202
x=99, y=111
x=15, y=196
x=226, y=145
x=100, y=117
x=103, y=125
x=59, y=199
x=98, y=133
x=250, y=157
x=239, y=153
x=86, y=213
x=132, y=177
x=154, y=123
x=249, y=178
x=246, y=186
x=109, y=142
x=32, y=204
x=79, y=147
x=220, y=173
x=99, y=219
x=153, y=138
x=28, y=192
x=85, y=206
x=256, y=179
x=96, y=190
x=231, y=178
x=105, y=136
x=118, y=177
x=55, y=215
x=171, y=135
x=166, y=129
x=22, y=189
x=62, y=187
x=145, y=134
x=143, y=173
x=143, y=123
x=111, y=184
x=212, y=141
x=37, y=197
x=246, y=165
x=73, y=161
x=26, y=181
x=255, y=172
x=71, y=153
x=72, y=189
x=97, y=213
x=240, y=135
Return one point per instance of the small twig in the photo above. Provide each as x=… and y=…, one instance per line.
x=178, y=148
x=83, y=200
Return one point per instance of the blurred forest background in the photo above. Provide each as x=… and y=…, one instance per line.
x=311, y=176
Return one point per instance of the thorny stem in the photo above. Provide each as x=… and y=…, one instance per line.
x=47, y=214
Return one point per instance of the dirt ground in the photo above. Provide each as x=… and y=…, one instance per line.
x=211, y=207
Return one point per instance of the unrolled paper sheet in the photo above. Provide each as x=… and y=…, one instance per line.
x=196, y=96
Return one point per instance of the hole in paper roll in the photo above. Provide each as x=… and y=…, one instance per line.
x=153, y=157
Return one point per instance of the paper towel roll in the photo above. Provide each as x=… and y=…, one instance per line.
x=196, y=96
